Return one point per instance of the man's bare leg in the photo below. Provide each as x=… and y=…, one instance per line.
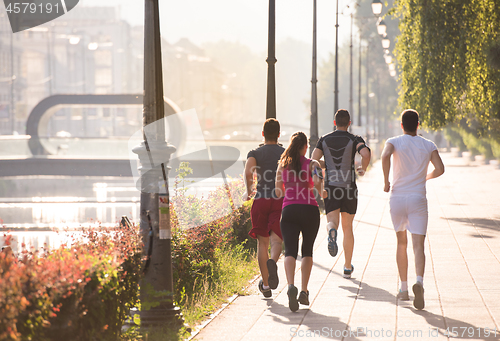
x=333, y=224
x=418, y=288
x=348, y=238
x=276, y=246
x=272, y=268
x=418, y=249
x=263, y=256
x=402, y=256
x=333, y=219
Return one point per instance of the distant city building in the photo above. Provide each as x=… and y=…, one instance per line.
x=90, y=50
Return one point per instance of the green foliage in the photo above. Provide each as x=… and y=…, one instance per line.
x=466, y=136
x=453, y=136
x=85, y=290
x=211, y=256
x=495, y=148
x=445, y=53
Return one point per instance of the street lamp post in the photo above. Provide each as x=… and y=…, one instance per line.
x=314, y=95
x=377, y=7
x=367, y=89
x=84, y=68
x=12, y=92
x=271, y=61
x=350, y=69
x=359, y=83
x=336, y=89
x=386, y=43
x=157, y=240
x=381, y=29
x=49, y=61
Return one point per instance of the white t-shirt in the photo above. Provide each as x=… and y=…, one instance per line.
x=410, y=162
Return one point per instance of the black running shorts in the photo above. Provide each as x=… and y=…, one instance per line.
x=340, y=197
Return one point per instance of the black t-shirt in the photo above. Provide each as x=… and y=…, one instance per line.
x=267, y=157
x=339, y=149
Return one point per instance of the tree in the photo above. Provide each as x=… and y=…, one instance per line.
x=448, y=55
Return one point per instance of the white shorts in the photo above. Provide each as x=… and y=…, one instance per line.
x=409, y=212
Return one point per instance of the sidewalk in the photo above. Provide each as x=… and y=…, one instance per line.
x=462, y=276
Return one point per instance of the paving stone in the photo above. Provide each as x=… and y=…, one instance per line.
x=461, y=277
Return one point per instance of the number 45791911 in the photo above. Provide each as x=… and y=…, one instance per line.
x=470, y=332
x=31, y=7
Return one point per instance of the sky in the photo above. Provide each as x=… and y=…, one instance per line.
x=244, y=21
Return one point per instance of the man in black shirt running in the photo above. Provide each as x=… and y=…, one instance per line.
x=339, y=148
x=266, y=207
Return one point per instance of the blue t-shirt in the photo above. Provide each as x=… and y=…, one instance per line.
x=267, y=157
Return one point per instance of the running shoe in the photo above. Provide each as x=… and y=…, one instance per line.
x=266, y=292
x=332, y=242
x=304, y=297
x=293, y=304
x=418, y=290
x=348, y=272
x=403, y=295
x=273, y=279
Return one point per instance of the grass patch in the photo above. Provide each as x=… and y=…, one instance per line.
x=213, y=257
x=235, y=268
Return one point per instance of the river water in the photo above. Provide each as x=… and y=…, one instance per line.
x=73, y=203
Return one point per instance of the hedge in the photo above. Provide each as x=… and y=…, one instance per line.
x=81, y=291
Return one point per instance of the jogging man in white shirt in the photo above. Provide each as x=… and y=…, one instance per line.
x=408, y=202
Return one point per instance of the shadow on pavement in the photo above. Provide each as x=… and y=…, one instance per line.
x=490, y=224
x=367, y=292
x=332, y=329
x=463, y=329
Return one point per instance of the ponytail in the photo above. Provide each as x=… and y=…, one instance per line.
x=291, y=156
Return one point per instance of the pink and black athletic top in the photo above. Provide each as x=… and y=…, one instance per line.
x=299, y=188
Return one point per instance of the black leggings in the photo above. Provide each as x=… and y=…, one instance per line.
x=298, y=218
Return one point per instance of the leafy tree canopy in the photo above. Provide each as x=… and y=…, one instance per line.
x=449, y=54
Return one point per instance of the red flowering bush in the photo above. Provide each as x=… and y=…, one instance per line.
x=82, y=291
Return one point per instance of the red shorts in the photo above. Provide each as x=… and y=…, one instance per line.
x=266, y=215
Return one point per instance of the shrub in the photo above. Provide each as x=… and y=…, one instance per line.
x=219, y=228
x=466, y=137
x=495, y=147
x=455, y=138
x=82, y=291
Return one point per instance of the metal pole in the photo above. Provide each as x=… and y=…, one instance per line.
x=152, y=151
x=84, y=81
x=367, y=91
x=359, y=84
x=314, y=95
x=377, y=114
x=12, y=93
x=350, y=67
x=84, y=72
x=336, y=102
x=49, y=61
x=271, y=61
